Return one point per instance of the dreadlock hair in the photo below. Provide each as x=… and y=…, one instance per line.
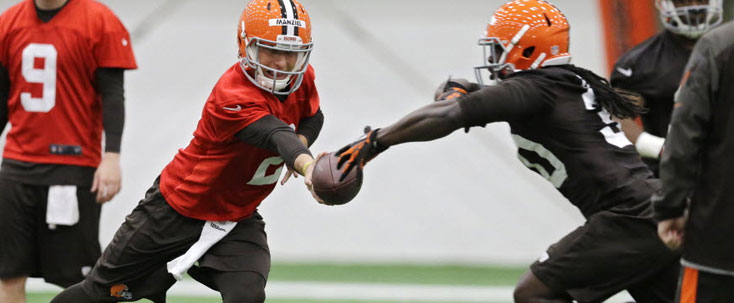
x=621, y=105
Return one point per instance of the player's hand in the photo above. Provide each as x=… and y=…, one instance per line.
x=288, y=175
x=309, y=176
x=359, y=152
x=454, y=88
x=107, y=178
x=671, y=231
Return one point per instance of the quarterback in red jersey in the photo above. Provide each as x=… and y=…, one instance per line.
x=260, y=117
x=62, y=68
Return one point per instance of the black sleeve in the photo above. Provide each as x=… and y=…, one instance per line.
x=310, y=127
x=512, y=99
x=110, y=85
x=680, y=165
x=273, y=134
x=4, y=92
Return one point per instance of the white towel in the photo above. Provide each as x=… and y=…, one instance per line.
x=62, y=207
x=211, y=233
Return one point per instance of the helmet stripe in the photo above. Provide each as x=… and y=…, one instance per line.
x=295, y=16
x=284, y=15
x=286, y=10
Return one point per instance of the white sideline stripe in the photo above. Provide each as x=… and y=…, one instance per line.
x=351, y=291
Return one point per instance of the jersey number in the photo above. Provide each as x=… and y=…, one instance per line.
x=612, y=132
x=45, y=76
x=260, y=178
x=541, y=160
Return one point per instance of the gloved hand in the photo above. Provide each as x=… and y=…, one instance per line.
x=359, y=152
x=454, y=88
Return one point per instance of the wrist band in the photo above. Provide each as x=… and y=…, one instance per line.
x=649, y=146
x=305, y=167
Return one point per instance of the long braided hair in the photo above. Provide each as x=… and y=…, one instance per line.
x=618, y=103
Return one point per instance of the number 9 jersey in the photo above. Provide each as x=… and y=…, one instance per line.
x=53, y=107
x=219, y=177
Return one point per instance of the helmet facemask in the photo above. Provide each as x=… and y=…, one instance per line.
x=276, y=81
x=494, y=61
x=691, y=19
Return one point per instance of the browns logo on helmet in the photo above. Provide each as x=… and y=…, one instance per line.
x=524, y=34
x=276, y=26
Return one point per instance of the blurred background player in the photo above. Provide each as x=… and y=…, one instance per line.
x=653, y=69
x=61, y=85
x=560, y=117
x=696, y=166
x=262, y=113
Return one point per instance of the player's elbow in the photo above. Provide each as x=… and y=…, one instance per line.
x=451, y=114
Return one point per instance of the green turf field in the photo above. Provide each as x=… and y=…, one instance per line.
x=405, y=274
x=391, y=274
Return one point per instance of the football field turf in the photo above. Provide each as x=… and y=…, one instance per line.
x=306, y=283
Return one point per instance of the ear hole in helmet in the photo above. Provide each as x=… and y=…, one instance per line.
x=547, y=19
x=528, y=52
x=269, y=6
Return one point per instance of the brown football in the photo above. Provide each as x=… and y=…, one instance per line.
x=326, y=181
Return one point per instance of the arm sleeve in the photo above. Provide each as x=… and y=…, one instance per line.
x=310, y=127
x=110, y=85
x=273, y=134
x=113, y=47
x=681, y=161
x=512, y=99
x=4, y=92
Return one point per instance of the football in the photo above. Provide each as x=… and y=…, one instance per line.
x=326, y=181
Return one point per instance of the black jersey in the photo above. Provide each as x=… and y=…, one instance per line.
x=563, y=135
x=653, y=69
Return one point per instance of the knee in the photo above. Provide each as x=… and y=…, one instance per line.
x=244, y=295
x=531, y=289
x=244, y=288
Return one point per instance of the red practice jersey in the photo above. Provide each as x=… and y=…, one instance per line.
x=218, y=177
x=54, y=110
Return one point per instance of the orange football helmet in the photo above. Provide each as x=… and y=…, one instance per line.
x=280, y=26
x=524, y=34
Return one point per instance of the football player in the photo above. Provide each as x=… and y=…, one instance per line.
x=561, y=118
x=695, y=207
x=61, y=87
x=653, y=69
x=261, y=116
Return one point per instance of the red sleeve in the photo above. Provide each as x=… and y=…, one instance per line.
x=228, y=118
x=313, y=93
x=113, y=48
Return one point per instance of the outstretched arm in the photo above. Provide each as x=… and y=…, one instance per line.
x=308, y=131
x=430, y=122
x=271, y=133
x=513, y=100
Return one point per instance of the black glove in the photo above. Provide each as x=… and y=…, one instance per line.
x=454, y=88
x=359, y=152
